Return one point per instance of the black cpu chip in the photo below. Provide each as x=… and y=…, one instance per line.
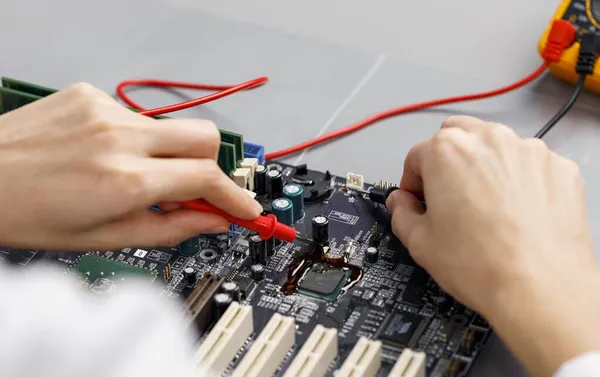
x=399, y=329
x=323, y=281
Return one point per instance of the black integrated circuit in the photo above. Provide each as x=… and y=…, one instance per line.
x=400, y=329
x=323, y=281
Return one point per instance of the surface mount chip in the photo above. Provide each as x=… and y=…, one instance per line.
x=399, y=329
x=323, y=281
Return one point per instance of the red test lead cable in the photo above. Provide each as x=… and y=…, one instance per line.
x=560, y=37
x=265, y=226
x=220, y=92
x=403, y=110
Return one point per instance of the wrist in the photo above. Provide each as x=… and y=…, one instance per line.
x=546, y=314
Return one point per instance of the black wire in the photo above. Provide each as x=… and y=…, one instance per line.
x=565, y=109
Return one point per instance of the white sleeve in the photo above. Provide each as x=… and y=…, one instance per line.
x=586, y=365
x=51, y=327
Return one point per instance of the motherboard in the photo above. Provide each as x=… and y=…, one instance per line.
x=343, y=299
x=345, y=276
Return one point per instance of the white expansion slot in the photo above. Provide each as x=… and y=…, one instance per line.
x=409, y=364
x=268, y=350
x=316, y=354
x=224, y=340
x=364, y=360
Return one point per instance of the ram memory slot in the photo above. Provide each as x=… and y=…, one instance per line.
x=11, y=99
x=227, y=160
x=237, y=140
x=26, y=87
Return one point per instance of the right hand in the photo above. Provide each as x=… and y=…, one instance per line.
x=505, y=223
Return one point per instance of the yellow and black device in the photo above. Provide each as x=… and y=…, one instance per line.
x=585, y=16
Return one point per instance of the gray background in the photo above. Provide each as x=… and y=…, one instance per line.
x=330, y=63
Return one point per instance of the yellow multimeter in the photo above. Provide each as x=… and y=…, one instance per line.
x=585, y=16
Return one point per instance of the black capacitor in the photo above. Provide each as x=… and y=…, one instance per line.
x=190, y=246
x=258, y=249
x=221, y=303
x=320, y=229
x=260, y=180
x=233, y=289
x=372, y=254
x=274, y=184
x=270, y=246
x=189, y=276
x=258, y=272
x=224, y=237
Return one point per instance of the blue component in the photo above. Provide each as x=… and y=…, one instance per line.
x=252, y=150
x=284, y=210
x=295, y=193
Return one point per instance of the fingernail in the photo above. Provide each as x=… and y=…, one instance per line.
x=220, y=229
x=258, y=207
x=389, y=203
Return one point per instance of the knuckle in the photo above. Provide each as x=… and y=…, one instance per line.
x=106, y=133
x=573, y=169
x=443, y=143
x=536, y=145
x=451, y=121
x=212, y=174
x=131, y=183
x=82, y=89
x=443, y=137
x=500, y=133
x=455, y=120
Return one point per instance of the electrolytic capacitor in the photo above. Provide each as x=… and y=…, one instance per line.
x=284, y=210
x=231, y=288
x=190, y=246
x=258, y=272
x=221, y=303
x=260, y=180
x=295, y=193
x=371, y=254
x=320, y=229
x=189, y=276
x=270, y=246
x=224, y=237
x=258, y=250
x=274, y=184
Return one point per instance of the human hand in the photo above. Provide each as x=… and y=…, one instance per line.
x=505, y=230
x=79, y=172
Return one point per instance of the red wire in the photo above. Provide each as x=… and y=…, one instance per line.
x=222, y=91
x=225, y=90
x=403, y=110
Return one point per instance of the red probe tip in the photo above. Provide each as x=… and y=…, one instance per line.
x=268, y=227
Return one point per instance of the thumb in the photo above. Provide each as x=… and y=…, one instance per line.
x=407, y=214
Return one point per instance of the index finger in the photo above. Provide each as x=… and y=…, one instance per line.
x=182, y=179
